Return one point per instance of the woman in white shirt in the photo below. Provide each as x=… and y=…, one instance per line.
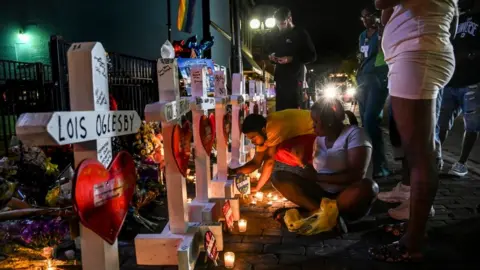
x=417, y=48
x=340, y=163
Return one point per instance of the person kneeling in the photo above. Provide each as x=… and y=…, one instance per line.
x=335, y=184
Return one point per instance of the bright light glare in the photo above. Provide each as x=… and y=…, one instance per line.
x=255, y=23
x=330, y=92
x=351, y=91
x=23, y=37
x=270, y=22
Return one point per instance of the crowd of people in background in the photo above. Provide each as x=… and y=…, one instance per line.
x=419, y=56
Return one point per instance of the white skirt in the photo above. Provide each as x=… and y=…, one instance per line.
x=420, y=74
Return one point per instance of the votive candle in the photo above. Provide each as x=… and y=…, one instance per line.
x=242, y=225
x=229, y=258
x=275, y=198
x=259, y=196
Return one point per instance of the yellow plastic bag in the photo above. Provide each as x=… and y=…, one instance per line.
x=324, y=220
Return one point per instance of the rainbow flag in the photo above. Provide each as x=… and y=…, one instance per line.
x=186, y=12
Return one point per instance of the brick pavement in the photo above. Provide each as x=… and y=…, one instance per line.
x=453, y=233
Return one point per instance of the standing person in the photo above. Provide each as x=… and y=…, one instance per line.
x=290, y=50
x=417, y=48
x=462, y=93
x=372, y=85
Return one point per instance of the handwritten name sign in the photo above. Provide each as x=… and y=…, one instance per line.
x=73, y=127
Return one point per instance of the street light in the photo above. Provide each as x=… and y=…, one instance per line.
x=270, y=22
x=255, y=24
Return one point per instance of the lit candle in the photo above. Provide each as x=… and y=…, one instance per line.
x=275, y=198
x=269, y=195
x=189, y=200
x=258, y=175
x=229, y=258
x=270, y=203
x=242, y=225
x=259, y=196
x=254, y=201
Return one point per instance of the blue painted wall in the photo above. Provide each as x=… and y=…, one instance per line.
x=131, y=27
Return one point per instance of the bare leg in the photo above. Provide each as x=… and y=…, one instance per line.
x=415, y=121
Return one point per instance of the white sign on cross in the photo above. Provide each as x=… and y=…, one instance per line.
x=178, y=243
x=89, y=126
x=238, y=139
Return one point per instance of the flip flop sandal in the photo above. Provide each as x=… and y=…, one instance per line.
x=393, y=253
x=397, y=229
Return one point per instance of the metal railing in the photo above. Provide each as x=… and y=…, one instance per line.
x=35, y=87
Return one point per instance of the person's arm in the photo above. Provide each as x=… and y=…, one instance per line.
x=386, y=4
x=250, y=166
x=267, y=168
x=386, y=14
x=357, y=164
x=307, y=53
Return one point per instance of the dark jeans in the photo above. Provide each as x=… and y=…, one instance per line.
x=371, y=97
x=287, y=94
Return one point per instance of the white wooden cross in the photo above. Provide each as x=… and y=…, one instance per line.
x=260, y=90
x=89, y=126
x=238, y=139
x=181, y=239
x=221, y=187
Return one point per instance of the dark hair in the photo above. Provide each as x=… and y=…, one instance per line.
x=331, y=112
x=371, y=9
x=254, y=123
x=282, y=14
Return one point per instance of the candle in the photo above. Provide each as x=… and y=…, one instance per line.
x=189, y=200
x=229, y=258
x=242, y=225
x=269, y=195
x=259, y=196
x=254, y=201
x=270, y=203
x=258, y=175
x=275, y=198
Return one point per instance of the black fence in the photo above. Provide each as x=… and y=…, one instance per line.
x=35, y=87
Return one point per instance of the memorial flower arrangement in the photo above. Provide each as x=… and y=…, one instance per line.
x=148, y=143
x=44, y=233
x=148, y=146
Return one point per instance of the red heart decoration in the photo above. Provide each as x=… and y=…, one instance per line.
x=211, y=118
x=206, y=134
x=102, y=197
x=181, y=144
x=227, y=126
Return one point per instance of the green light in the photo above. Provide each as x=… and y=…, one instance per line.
x=23, y=37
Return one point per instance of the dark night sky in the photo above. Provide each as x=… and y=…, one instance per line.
x=334, y=25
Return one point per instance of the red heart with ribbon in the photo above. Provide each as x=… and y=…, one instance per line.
x=181, y=144
x=206, y=134
x=102, y=197
x=227, y=126
x=211, y=118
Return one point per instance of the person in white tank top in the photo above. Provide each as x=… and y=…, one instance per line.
x=417, y=48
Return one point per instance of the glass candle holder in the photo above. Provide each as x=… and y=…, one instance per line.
x=229, y=258
x=242, y=225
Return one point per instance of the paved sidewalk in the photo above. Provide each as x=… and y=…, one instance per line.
x=453, y=233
